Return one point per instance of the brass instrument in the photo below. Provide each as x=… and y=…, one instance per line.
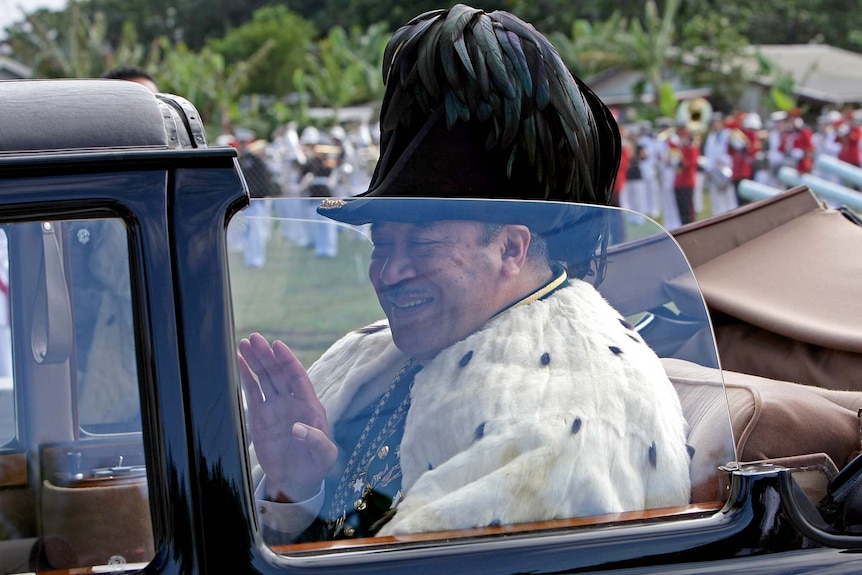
x=694, y=114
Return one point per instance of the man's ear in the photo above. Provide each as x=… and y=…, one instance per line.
x=516, y=242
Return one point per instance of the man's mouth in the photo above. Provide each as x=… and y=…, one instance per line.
x=406, y=298
x=409, y=303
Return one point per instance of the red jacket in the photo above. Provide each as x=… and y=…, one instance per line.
x=742, y=154
x=805, y=141
x=686, y=172
x=625, y=160
x=850, y=146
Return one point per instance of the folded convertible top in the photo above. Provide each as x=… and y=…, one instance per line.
x=789, y=266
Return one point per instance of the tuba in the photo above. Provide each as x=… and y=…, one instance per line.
x=694, y=114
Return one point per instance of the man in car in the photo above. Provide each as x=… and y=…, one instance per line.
x=501, y=388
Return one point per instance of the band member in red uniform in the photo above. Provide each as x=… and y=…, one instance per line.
x=802, y=148
x=686, y=175
x=849, y=135
x=626, y=153
x=741, y=157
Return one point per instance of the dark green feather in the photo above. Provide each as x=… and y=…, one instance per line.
x=405, y=36
x=457, y=19
x=477, y=55
x=486, y=39
x=426, y=61
x=511, y=45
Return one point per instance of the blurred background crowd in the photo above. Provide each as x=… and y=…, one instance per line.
x=675, y=170
x=690, y=167
x=307, y=164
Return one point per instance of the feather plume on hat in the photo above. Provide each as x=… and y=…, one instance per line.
x=499, y=73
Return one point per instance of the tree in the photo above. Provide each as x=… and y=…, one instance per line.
x=335, y=73
x=191, y=21
x=362, y=13
x=73, y=44
x=291, y=38
x=644, y=46
x=712, y=53
x=588, y=49
x=206, y=80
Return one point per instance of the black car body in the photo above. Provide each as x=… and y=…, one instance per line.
x=167, y=486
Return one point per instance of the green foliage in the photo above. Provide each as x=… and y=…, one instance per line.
x=74, y=44
x=363, y=13
x=212, y=51
x=589, y=47
x=781, y=92
x=550, y=16
x=290, y=37
x=781, y=99
x=344, y=68
x=205, y=79
x=712, y=54
x=70, y=46
x=640, y=44
x=667, y=101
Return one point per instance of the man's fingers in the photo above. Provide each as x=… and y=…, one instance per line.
x=253, y=393
x=321, y=450
x=296, y=379
x=258, y=354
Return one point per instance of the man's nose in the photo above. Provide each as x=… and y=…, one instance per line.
x=397, y=267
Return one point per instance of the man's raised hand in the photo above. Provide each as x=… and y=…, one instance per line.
x=287, y=422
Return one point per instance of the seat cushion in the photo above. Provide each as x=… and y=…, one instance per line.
x=769, y=419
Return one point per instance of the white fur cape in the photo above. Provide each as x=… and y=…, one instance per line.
x=554, y=409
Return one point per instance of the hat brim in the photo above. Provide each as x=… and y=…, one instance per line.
x=537, y=215
x=573, y=231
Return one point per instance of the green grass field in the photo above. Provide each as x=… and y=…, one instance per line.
x=305, y=301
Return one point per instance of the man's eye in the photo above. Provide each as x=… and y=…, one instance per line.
x=380, y=251
x=423, y=243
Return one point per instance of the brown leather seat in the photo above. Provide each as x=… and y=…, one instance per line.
x=769, y=420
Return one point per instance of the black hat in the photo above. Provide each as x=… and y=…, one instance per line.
x=480, y=105
x=448, y=174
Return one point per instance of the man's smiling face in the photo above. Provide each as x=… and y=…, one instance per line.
x=436, y=282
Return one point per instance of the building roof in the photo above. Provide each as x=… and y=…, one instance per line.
x=820, y=72
x=615, y=87
x=11, y=69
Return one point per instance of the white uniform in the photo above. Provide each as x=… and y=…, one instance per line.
x=721, y=193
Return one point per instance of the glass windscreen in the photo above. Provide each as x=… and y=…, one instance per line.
x=440, y=365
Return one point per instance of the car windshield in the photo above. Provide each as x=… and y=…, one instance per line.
x=416, y=289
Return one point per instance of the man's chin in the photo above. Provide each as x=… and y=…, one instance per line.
x=414, y=343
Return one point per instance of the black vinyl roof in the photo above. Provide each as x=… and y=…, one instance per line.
x=92, y=114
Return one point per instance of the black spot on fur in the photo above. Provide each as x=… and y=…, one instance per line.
x=430, y=466
x=576, y=425
x=633, y=337
x=626, y=324
x=369, y=329
x=653, y=455
x=495, y=523
x=615, y=349
x=546, y=358
x=691, y=450
x=466, y=359
x=480, y=431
